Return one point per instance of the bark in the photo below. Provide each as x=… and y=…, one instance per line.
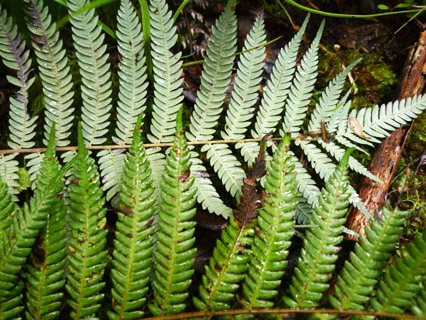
x=388, y=154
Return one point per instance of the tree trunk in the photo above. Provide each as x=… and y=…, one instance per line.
x=387, y=155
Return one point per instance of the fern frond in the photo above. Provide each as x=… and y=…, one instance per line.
x=13, y=307
x=131, y=263
x=229, y=263
x=368, y=260
x=87, y=254
x=340, y=113
x=174, y=254
x=206, y=192
x=33, y=164
x=278, y=88
x=301, y=89
x=54, y=71
x=131, y=73
x=7, y=207
x=19, y=238
x=226, y=165
x=379, y=121
x=9, y=172
x=246, y=87
x=111, y=164
x=320, y=246
x=274, y=231
x=94, y=70
x=354, y=164
x=215, y=78
x=419, y=308
x=157, y=161
x=403, y=280
x=15, y=57
x=329, y=99
x=319, y=160
x=45, y=275
x=167, y=69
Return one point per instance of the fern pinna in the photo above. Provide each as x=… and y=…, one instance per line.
x=87, y=254
x=273, y=233
x=229, y=263
x=131, y=264
x=320, y=246
x=174, y=253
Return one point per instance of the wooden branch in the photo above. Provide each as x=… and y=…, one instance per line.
x=388, y=154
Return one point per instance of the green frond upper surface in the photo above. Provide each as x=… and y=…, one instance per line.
x=368, y=260
x=131, y=72
x=54, y=71
x=87, y=254
x=131, y=263
x=7, y=207
x=320, y=246
x=14, y=56
x=216, y=76
x=174, y=253
x=94, y=70
x=404, y=279
x=274, y=231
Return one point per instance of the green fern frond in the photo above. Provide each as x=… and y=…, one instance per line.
x=368, y=260
x=419, y=308
x=7, y=207
x=167, y=69
x=274, y=231
x=87, y=255
x=9, y=172
x=45, y=275
x=131, y=263
x=229, y=263
x=320, y=246
x=301, y=88
x=19, y=238
x=379, y=121
x=403, y=280
x=15, y=57
x=94, y=70
x=329, y=99
x=206, y=192
x=215, y=78
x=13, y=307
x=54, y=71
x=131, y=73
x=174, y=254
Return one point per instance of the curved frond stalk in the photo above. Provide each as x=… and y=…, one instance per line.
x=274, y=231
x=54, y=71
x=9, y=173
x=297, y=101
x=227, y=166
x=167, y=73
x=216, y=76
x=174, y=253
x=19, y=238
x=403, y=280
x=276, y=93
x=13, y=307
x=354, y=164
x=229, y=263
x=111, y=164
x=131, y=263
x=94, y=70
x=320, y=246
x=368, y=260
x=380, y=121
x=206, y=192
x=15, y=57
x=45, y=275
x=246, y=87
x=131, y=73
x=329, y=99
x=87, y=254
x=419, y=308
